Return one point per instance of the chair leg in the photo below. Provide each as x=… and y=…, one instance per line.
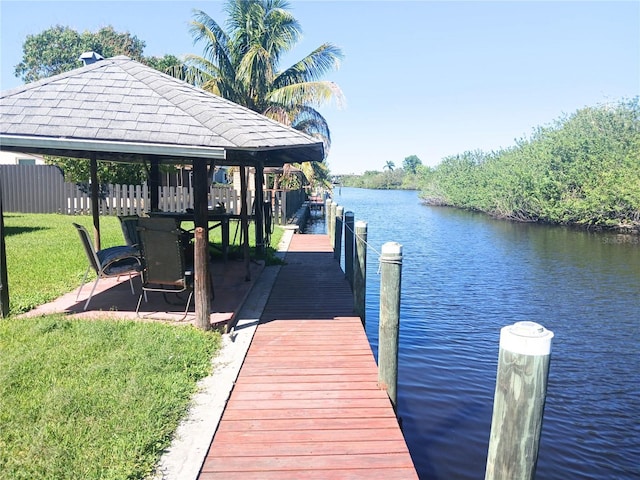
x=144, y=293
x=95, y=284
x=84, y=279
x=133, y=292
x=186, y=310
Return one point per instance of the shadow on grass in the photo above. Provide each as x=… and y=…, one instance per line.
x=8, y=231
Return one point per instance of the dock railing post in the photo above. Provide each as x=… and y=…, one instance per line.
x=337, y=231
x=389, y=327
x=360, y=271
x=521, y=386
x=348, y=247
x=332, y=223
x=327, y=216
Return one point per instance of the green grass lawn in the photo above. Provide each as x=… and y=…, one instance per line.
x=86, y=399
x=94, y=399
x=45, y=257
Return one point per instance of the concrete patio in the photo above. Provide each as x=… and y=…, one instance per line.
x=113, y=299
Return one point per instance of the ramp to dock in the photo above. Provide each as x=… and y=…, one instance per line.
x=306, y=403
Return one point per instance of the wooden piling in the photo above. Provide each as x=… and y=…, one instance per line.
x=521, y=386
x=327, y=216
x=360, y=271
x=337, y=233
x=202, y=281
x=348, y=247
x=390, y=282
x=332, y=223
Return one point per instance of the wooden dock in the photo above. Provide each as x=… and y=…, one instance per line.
x=316, y=202
x=306, y=403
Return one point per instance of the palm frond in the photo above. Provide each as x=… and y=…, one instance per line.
x=195, y=70
x=314, y=66
x=282, y=31
x=307, y=93
x=204, y=28
x=217, y=47
x=311, y=122
x=279, y=114
x=256, y=73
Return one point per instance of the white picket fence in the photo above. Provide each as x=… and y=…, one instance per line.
x=135, y=200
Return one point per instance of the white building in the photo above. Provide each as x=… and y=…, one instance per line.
x=15, y=158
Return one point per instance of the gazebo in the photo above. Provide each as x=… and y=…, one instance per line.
x=119, y=110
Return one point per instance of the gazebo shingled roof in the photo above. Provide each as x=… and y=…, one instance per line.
x=121, y=110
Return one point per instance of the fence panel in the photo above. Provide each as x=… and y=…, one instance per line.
x=32, y=188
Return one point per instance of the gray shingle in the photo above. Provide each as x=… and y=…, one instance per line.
x=124, y=116
x=98, y=123
x=86, y=132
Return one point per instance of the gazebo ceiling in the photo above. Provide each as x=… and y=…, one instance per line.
x=120, y=110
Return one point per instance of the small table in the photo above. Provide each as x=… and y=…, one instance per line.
x=222, y=220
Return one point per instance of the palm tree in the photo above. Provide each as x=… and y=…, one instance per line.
x=242, y=65
x=389, y=166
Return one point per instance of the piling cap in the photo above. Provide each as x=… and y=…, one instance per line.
x=526, y=338
x=392, y=248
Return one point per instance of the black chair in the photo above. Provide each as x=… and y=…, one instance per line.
x=129, y=225
x=109, y=262
x=164, y=267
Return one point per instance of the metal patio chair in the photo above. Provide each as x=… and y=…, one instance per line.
x=109, y=262
x=164, y=266
x=129, y=225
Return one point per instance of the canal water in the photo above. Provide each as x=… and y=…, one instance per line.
x=464, y=277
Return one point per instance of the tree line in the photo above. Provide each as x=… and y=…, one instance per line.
x=408, y=177
x=584, y=169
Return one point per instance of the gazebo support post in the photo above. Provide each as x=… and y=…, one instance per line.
x=202, y=279
x=4, y=282
x=154, y=184
x=95, y=200
x=259, y=212
x=244, y=220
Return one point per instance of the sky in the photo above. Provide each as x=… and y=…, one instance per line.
x=425, y=78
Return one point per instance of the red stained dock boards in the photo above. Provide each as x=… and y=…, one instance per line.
x=306, y=404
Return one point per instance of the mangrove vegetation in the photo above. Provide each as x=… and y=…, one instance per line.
x=582, y=170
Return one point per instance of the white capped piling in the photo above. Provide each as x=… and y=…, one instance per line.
x=521, y=387
x=360, y=271
x=332, y=223
x=390, y=282
x=327, y=216
x=337, y=233
x=348, y=247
